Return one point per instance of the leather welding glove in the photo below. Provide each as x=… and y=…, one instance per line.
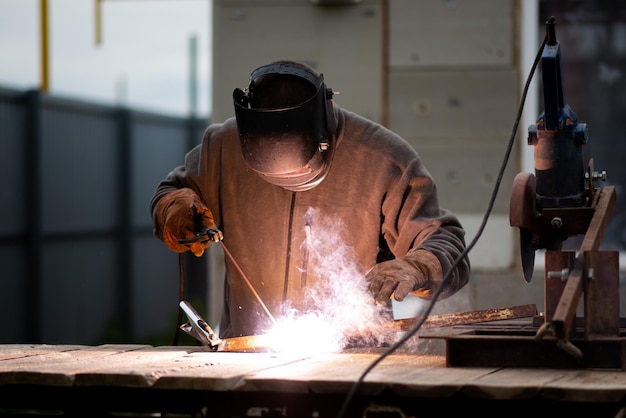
x=181, y=214
x=414, y=273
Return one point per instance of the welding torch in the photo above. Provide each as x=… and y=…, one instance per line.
x=215, y=235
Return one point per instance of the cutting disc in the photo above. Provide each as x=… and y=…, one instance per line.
x=524, y=215
x=527, y=252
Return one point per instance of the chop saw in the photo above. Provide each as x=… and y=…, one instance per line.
x=558, y=201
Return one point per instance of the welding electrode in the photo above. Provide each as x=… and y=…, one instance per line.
x=210, y=234
x=245, y=278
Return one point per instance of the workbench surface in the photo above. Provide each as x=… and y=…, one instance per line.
x=194, y=381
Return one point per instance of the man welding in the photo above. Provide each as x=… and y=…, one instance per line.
x=255, y=179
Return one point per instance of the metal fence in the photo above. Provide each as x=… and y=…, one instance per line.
x=78, y=260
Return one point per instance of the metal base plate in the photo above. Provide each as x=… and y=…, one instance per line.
x=516, y=346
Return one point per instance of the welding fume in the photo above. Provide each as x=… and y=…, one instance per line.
x=312, y=204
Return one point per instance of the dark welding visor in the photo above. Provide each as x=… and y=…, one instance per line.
x=284, y=141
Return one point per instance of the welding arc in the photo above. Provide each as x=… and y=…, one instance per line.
x=245, y=278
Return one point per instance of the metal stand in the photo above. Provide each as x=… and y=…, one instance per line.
x=557, y=202
x=559, y=339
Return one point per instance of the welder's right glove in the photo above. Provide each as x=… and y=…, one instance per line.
x=181, y=214
x=415, y=273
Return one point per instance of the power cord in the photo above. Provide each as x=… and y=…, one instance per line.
x=468, y=248
x=181, y=296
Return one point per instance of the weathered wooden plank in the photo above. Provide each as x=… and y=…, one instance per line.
x=423, y=375
x=434, y=382
x=512, y=384
x=137, y=368
x=404, y=374
x=221, y=370
x=57, y=365
x=13, y=351
x=587, y=386
x=563, y=385
x=329, y=373
x=43, y=355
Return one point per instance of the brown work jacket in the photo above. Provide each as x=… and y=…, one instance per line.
x=377, y=202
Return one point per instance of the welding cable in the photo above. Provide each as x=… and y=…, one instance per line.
x=181, y=295
x=468, y=248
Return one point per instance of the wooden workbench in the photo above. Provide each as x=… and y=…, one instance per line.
x=139, y=380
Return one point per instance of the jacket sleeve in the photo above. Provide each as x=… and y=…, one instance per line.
x=180, y=177
x=414, y=223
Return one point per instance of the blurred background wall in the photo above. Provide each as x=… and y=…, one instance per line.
x=79, y=261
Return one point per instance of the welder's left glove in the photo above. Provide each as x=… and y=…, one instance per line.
x=180, y=214
x=418, y=273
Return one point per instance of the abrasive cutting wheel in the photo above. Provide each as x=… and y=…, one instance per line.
x=524, y=215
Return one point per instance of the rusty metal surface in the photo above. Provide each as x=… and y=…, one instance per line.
x=554, y=262
x=528, y=352
x=566, y=308
x=524, y=215
x=256, y=343
x=248, y=344
x=602, y=295
x=472, y=317
x=522, y=210
x=575, y=221
x=514, y=344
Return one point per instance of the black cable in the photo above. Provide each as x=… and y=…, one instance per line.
x=181, y=295
x=468, y=248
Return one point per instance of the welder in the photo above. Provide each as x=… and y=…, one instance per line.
x=289, y=158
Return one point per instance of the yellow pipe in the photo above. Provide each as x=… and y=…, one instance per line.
x=98, y=22
x=44, y=45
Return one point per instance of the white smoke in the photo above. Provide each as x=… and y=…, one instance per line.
x=344, y=312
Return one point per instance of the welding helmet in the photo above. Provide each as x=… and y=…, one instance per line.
x=286, y=125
